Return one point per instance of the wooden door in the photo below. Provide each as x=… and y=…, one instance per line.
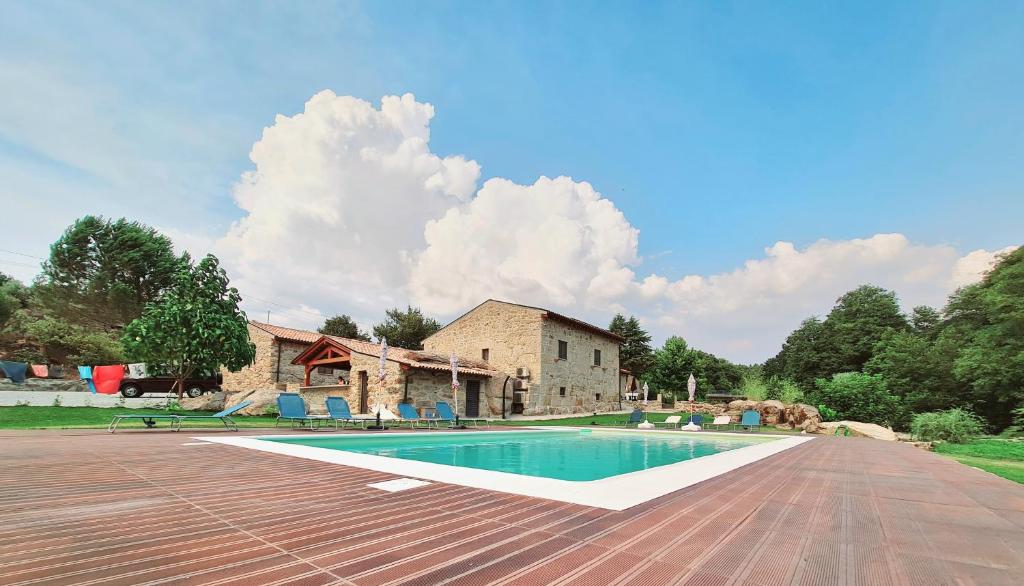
x=364, y=393
x=472, y=398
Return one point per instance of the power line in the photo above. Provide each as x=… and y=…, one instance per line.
x=21, y=254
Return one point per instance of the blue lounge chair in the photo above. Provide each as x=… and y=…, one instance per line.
x=176, y=420
x=445, y=413
x=409, y=415
x=14, y=371
x=751, y=421
x=292, y=408
x=697, y=419
x=637, y=416
x=339, y=410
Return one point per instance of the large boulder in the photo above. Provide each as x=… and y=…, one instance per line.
x=772, y=412
x=263, y=401
x=207, y=402
x=861, y=429
x=802, y=416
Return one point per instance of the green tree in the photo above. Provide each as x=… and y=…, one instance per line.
x=62, y=342
x=406, y=329
x=194, y=327
x=343, y=327
x=102, y=272
x=925, y=320
x=986, y=322
x=635, y=353
x=13, y=296
x=857, y=396
x=676, y=360
x=861, y=319
x=843, y=342
x=807, y=354
x=918, y=369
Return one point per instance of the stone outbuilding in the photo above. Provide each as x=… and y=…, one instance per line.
x=410, y=376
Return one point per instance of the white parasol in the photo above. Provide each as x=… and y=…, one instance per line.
x=455, y=382
x=646, y=390
x=691, y=386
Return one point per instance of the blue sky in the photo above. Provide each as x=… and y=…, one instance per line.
x=716, y=128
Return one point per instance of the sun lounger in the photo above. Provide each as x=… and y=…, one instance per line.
x=176, y=420
x=751, y=421
x=697, y=419
x=409, y=415
x=636, y=417
x=720, y=421
x=445, y=414
x=338, y=410
x=670, y=421
x=292, y=408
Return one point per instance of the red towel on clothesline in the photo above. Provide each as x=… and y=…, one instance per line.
x=108, y=378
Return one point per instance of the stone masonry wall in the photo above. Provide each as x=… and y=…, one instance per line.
x=264, y=371
x=588, y=388
x=510, y=333
x=518, y=336
x=260, y=374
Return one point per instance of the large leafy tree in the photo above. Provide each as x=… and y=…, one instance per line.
x=986, y=322
x=676, y=360
x=807, y=354
x=861, y=319
x=406, y=329
x=102, y=272
x=194, y=327
x=918, y=369
x=13, y=296
x=635, y=353
x=843, y=342
x=343, y=327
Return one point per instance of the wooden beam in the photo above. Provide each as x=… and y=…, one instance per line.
x=324, y=361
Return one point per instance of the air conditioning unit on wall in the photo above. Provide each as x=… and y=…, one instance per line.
x=522, y=372
x=520, y=385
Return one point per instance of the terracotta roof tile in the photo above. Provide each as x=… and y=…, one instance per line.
x=414, y=358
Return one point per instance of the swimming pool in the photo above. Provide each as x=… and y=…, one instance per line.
x=575, y=455
x=610, y=469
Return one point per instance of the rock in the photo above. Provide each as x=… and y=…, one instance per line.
x=54, y=385
x=858, y=428
x=772, y=412
x=739, y=406
x=262, y=399
x=923, y=445
x=208, y=402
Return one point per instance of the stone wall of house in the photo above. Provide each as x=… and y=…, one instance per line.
x=427, y=387
x=588, y=387
x=510, y=333
x=260, y=374
x=266, y=370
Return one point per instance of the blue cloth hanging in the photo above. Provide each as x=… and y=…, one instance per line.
x=14, y=370
x=85, y=373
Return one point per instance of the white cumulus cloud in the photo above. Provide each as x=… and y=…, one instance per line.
x=347, y=209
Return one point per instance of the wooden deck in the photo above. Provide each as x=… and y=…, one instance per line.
x=141, y=507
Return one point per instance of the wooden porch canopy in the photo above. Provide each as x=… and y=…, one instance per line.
x=324, y=352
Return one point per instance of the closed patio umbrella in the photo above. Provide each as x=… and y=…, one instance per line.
x=454, y=363
x=646, y=390
x=691, y=387
x=382, y=375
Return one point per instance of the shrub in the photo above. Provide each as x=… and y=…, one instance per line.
x=856, y=396
x=753, y=387
x=952, y=425
x=782, y=389
x=1017, y=428
x=827, y=413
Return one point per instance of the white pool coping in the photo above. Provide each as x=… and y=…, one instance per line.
x=615, y=493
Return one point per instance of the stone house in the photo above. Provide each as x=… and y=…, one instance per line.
x=555, y=364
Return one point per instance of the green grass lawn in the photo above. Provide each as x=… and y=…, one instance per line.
x=25, y=417
x=998, y=456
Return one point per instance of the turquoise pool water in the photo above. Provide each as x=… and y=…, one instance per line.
x=565, y=455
